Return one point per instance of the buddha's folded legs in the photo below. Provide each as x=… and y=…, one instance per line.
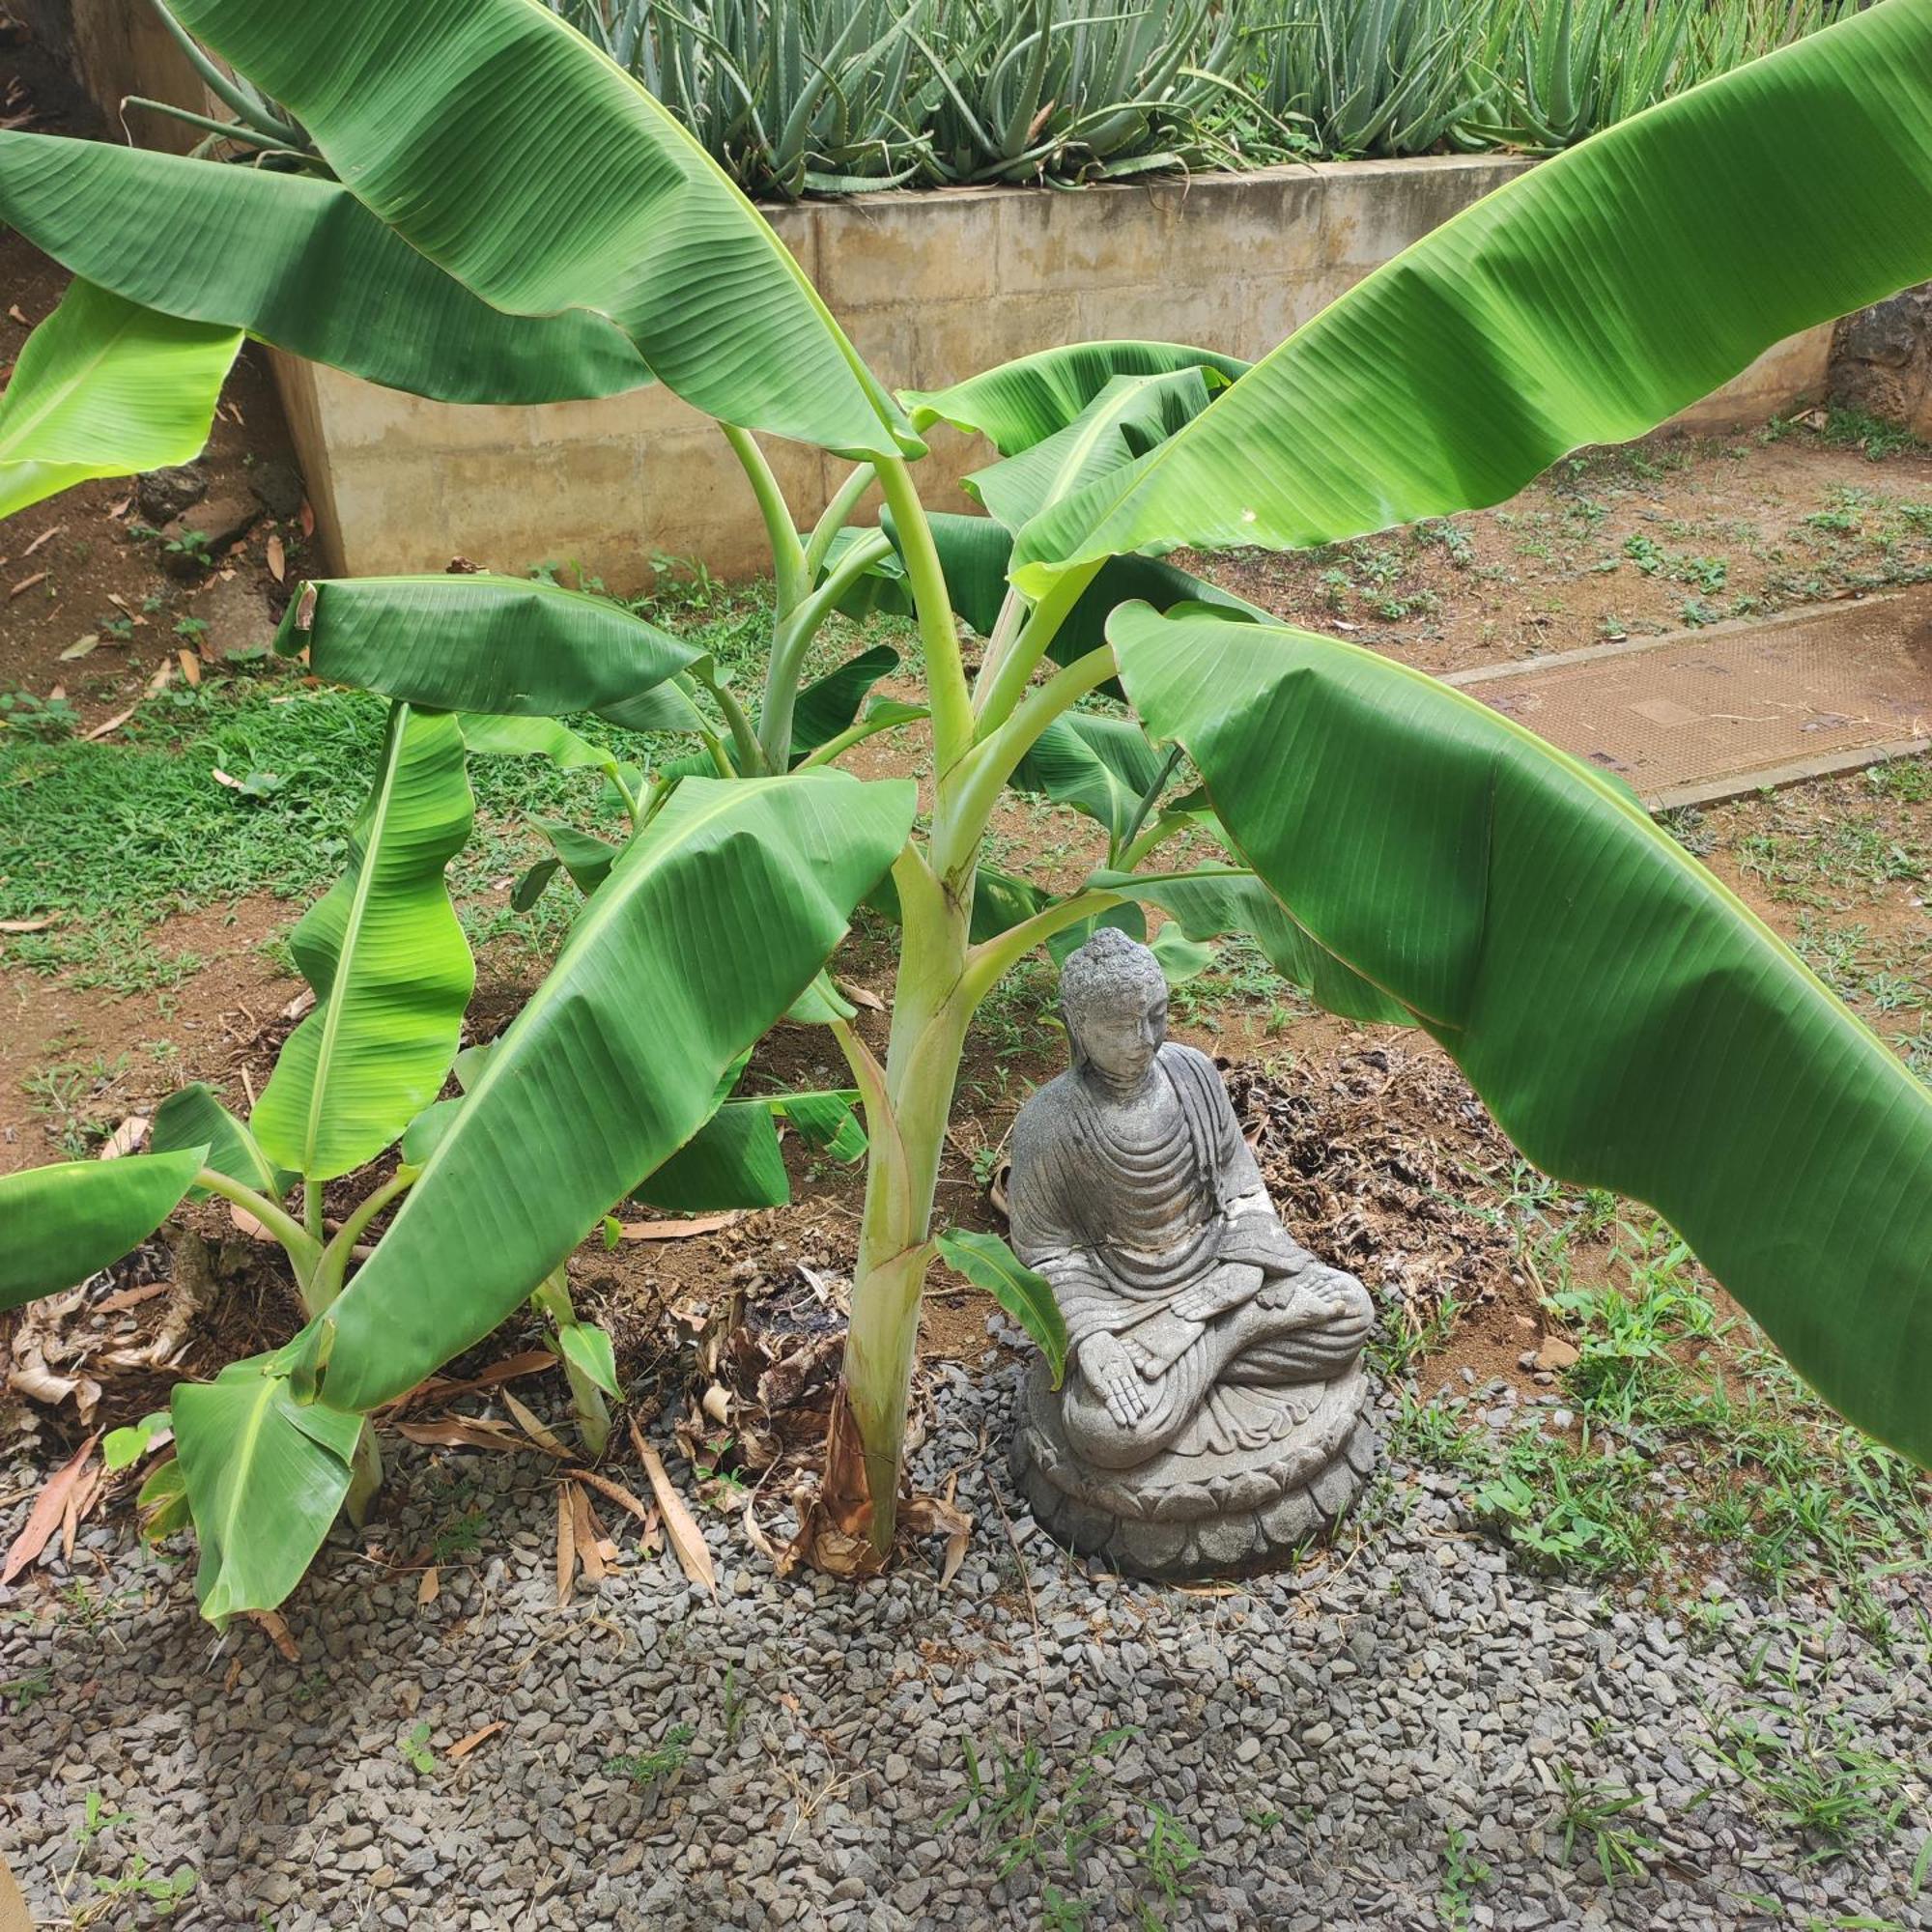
x=1288, y=1345
x=1306, y=1327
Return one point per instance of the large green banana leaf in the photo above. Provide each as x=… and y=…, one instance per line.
x=1024, y=402
x=1584, y=302
x=482, y=643
x=193, y=1117
x=828, y=705
x=106, y=387
x=1131, y=417
x=1631, y=1024
x=497, y=736
x=499, y=144
x=265, y=1476
x=389, y=964
x=713, y=920
x=1212, y=900
x=734, y=1159
x=60, y=1224
x=297, y=262
x=1100, y=765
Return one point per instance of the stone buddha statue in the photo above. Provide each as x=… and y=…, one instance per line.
x=1210, y=1418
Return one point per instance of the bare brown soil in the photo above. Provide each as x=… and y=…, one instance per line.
x=1721, y=526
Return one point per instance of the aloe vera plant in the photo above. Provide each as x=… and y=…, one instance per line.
x=1402, y=854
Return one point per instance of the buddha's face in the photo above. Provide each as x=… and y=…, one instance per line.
x=1122, y=1040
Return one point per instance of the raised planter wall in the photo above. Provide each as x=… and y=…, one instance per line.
x=118, y=47
x=931, y=287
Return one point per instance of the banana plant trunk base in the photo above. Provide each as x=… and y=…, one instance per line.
x=1199, y=1509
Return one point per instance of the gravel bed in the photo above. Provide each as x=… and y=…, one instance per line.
x=1321, y=1736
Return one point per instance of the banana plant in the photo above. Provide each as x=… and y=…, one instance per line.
x=1400, y=854
x=261, y=1467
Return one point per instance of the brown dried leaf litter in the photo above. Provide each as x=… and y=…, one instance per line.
x=1384, y=1162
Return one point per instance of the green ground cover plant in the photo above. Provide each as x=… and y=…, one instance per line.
x=1393, y=849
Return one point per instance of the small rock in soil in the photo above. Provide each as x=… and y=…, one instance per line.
x=163, y=495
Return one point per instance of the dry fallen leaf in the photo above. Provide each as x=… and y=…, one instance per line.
x=45, y=1517
x=307, y=519
x=428, y=1588
x=566, y=1545
x=932, y=1516
x=584, y=1534
x=27, y=925
x=462, y=1432
x=616, y=1491
x=159, y=682
x=27, y=583
x=14, y=315
x=80, y=647
x=676, y=1230
x=299, y=1005
x=278, y=1633
x=79, y=1500
x=126, y=1137
x=463, y=1747
x=46, y=536
x=534, y=1428
x=246, y=1224
x=687, y=1541
x=133, y=1298
x=860, y=996
x=277, y=557
x=1556, y=1353
x=190, y=667
x=530, y=1362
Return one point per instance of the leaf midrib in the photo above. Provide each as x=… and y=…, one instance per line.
x=345, y=958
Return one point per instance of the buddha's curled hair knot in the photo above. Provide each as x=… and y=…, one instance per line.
x=1111, y=972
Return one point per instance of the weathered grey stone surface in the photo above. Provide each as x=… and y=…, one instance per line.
x=1881, y=360
x=1212, y=1414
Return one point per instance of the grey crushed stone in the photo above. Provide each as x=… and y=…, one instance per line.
x=1315, y=1733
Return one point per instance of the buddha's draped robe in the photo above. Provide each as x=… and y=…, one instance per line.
x=1123, y=1213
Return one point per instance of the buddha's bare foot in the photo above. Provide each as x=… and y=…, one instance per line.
x=1322, y=1294
x=1220, y=1290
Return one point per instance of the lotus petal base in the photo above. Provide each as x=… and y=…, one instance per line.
x=1208, y=1512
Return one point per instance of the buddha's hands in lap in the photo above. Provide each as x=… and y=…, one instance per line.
x=1111, y=1373
x=1221, y=1288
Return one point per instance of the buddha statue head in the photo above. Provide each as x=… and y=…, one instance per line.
x=1113, y=998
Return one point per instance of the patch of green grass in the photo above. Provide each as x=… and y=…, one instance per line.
x=1874, y=437
x=644, y=1769
x=1598, y=1816
x=42, y=720
x=1036, y=1813
x=106, y=839
x=1802, y=1764
x=1463, y=1875
x=1695, y=1441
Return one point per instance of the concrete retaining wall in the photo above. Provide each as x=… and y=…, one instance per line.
x=931, y=287
x=118, y=47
